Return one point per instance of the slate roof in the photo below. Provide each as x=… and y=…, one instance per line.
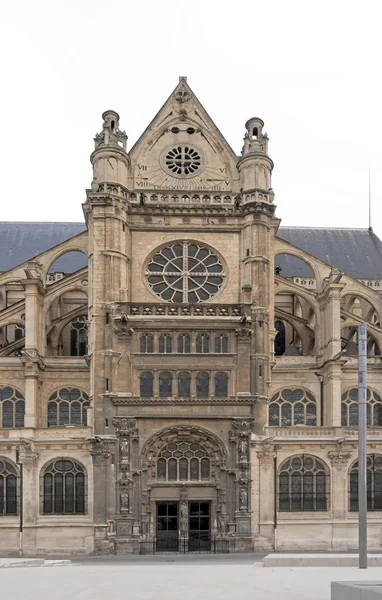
x=357, y=252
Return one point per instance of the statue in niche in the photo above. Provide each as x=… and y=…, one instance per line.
x=124, y=499
x=243, y=450
x=243, y=499
x=183, y=517
x=124, y=450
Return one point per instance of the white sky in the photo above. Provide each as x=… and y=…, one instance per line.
x=310, y=69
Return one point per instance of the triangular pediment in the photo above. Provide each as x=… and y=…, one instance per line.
x=182, y=149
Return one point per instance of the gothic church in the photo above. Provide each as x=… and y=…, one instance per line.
x=179, y=372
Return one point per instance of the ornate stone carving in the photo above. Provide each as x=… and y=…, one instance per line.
x=266, y=458
x=243, y=450
x=99, y=452
x=28, y=457
x=243, y=527
x=126, y=427
x=243, y=334
x=124, y=450
x=182, y=96
x=124, y=500
x=240, y=429
x=243, y=499
x=339, y=459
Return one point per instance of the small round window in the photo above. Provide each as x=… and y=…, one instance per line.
x=185, y=272
x=182, y=161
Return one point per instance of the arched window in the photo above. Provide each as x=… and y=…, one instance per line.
x=292, y=407
x=202, y=343
x=165, y=343
x=374, y=484
x=146, y=381
x=202, y=385
x=146, y=343
x=8, y=488
x=303, y=485
x=184, y=343
x=280, y=338
x=19, y=332
x=221, y=385
x=165, y=384
x=349, y=408
x=183, y=461
x=221, y=344
x=184, y=385
x=68, y=406
x=12, y=407
x=64, y=491
x=78, y=337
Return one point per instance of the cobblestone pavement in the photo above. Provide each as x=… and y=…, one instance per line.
x=179, y=581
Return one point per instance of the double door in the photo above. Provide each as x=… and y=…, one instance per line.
x=199, y=527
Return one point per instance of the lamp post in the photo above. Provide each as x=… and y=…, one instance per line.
x=362, y=445
x=21, y=520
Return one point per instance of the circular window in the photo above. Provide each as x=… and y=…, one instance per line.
x=185, y=272
x=182, y=161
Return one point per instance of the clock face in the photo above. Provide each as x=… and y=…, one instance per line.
x=182, y=161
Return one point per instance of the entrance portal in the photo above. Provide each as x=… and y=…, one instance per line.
x=167, y=527
x=199, y=526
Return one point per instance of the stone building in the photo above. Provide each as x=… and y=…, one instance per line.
x=179, y=371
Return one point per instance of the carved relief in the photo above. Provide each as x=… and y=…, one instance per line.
x=339, y=459
x=243, y=499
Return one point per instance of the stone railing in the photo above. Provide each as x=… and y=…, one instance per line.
x=151, y=197
x=303, y=431
x=183, y=310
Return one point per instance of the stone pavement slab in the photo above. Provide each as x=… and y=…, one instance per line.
x=169, y=581
x=12, y=563
x=319, y=560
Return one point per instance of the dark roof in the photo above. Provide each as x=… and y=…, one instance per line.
x=21, y=241
x=357, y=252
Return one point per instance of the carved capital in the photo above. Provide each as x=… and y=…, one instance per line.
x=266, y=458
x=339, y=459
x=125, y=426
x=100, y=457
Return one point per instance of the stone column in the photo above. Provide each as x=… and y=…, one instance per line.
x=340, y=459
x=101, y=458
x=243, y=360
x=266, y=507
x=31, y=496
x=240, y=438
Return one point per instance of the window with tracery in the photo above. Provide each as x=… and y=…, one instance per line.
x=183, y=461
x=185, y=272
x=202, y=343
x=78, y=337
x=146, y=385
x=374, y=484
x=12, y=407
x=221, y=385
x=165, y=384
x=8, y=488
x=349, y=408
x=165, y=343
x=146, y=343
x=68, y=406
x=303, y=485
x=221, y=344
x=202, y=385
x=292, y=407
x=184, y=385
x=64, y=491
x=19, y=332
x=184, y=343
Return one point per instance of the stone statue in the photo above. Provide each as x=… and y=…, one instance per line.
x=243, y=499
x=183, y=517
x=243, y=450
x=124, y=450
x=124, y=499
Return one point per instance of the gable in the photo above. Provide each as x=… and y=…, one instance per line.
x=182, y=149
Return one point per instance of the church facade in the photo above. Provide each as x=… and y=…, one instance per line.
x=179, y=372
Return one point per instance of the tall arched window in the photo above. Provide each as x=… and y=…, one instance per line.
x=374, y=484
x=183, y=461
x=202, y=343
x=146, y=384
x=303, y=485
x=292, y=407
x=146, y=343
x=184, y=385
x=221, y=385
x=12, y=407
x=68, y=406
x=221, y=343
x=64, y=490
x=202, y=385
x=78, y=337
x=280, y=338
x=8, y=488
x=184, y=343
x=165, y=384
x=349, y=408
x=165, y=343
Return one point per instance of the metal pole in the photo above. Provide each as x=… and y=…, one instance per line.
x=362, y=445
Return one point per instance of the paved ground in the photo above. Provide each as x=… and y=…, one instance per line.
x=218, y=579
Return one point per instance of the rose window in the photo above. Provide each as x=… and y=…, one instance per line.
x=182, y=161
x=185, y=272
